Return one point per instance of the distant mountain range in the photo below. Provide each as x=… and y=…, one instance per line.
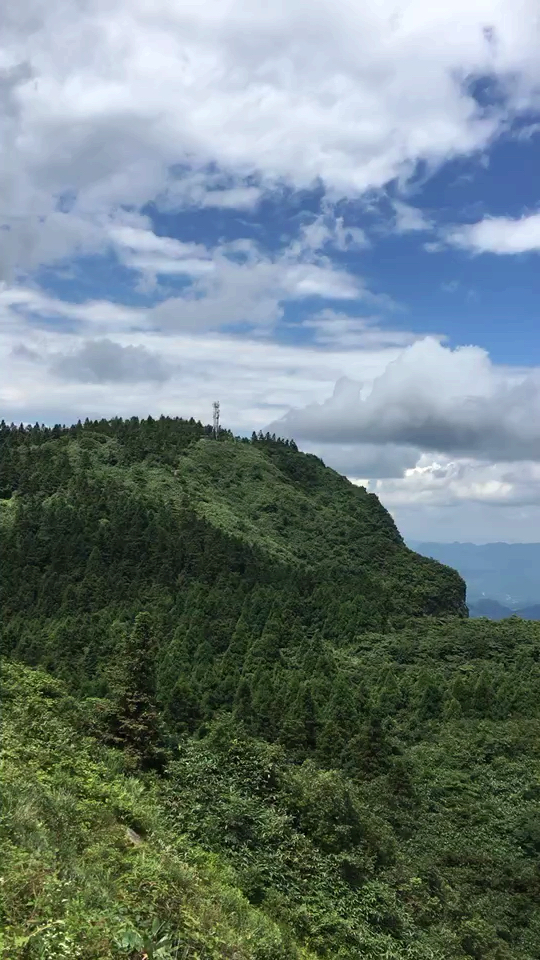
x=498, y=611
x=502, y=578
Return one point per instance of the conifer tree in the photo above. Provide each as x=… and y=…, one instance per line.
x=243, y=706
x=134, y=720
x=182, y=711
x=300, y=727
x=230, y=668
x=264, y=713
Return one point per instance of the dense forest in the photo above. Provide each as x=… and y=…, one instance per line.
x=243, y=720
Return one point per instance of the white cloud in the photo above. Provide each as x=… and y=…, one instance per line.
x=387, y=390
x=502, y=235
x=409, y=219
x=331, y=328
x=101, y=101
x=311, y=280
x=222, y=290
x=139, y=240
x=432, y=398
x=444, y=482
x=102, y=316
x=528, y=131
x=205, y=189
x=464, y=499
x=140, y=249
x=327, y=229
x=256, y=379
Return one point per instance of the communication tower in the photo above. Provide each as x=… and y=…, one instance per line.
x=215, y=431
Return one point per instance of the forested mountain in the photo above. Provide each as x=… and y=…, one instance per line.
x=267, y=728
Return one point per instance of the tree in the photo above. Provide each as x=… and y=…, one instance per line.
x=300, y=728
x=134, y=717
x=182, y=711
x=243, y=708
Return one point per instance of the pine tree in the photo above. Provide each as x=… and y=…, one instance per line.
x=482, y=696
x=368, y=752
x=243, y=705
x=134, y=717
x=230, y=667
x=182, y=711
x=264, y=716
x=300, y=727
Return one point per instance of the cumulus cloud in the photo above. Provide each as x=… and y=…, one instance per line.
x=446, y=498
x=435, y=399
x=502, y=235
x=104, y=361
x=449, y=498
x=347, y=95
x=445, y=482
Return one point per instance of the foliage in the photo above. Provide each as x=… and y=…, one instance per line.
x=271, y=730
x=89, y=868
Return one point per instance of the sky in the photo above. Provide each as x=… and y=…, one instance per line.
x=324, y=215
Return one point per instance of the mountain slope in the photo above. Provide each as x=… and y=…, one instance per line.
x=318, y=753
x=267, y=495
x=425, y=848
x=111, y=497
x=90, y=866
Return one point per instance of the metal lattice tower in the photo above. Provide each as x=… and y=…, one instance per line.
x=215, y=406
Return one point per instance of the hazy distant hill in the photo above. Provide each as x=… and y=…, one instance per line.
x=498, y=611
x=490, y=608
x=505, y=572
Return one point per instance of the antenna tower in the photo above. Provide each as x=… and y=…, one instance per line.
x=215, y=406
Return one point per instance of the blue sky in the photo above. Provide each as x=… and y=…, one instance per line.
x=323, y=215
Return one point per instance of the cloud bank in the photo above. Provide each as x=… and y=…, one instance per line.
x=104, y=361
x=435, y=399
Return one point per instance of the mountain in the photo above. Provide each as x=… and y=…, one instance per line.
x=484, y=607
x=529, y=613
x=506, y=572
x=165, y=508
x=242, y=719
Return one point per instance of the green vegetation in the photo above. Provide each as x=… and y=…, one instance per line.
x=267, y=728
x=90, y=866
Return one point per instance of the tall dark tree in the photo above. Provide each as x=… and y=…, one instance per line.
x=134, y=717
